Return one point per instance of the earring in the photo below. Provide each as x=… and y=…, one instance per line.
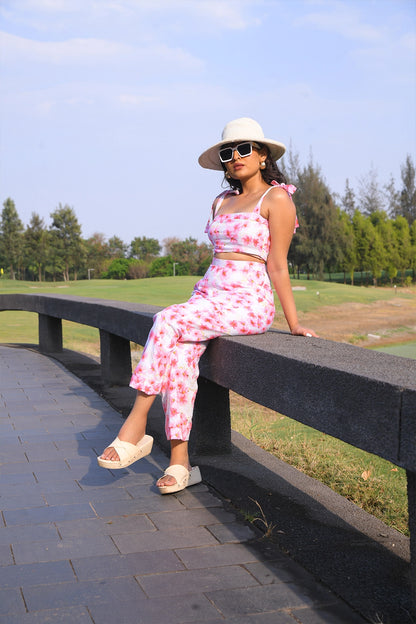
x=227, y=175
x=263, y=165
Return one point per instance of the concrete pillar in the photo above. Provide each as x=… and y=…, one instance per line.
x=115, y=359
x=411, y=497
x=211, y=427
x=50, y=334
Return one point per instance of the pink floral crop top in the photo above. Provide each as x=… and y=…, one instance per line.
x=242, y=232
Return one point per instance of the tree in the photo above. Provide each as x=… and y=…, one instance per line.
x=392, y=198
x=190, y=255
x=404, y=246
x=167, y=244
x=371, y=196
x=66, y=237
x=96, y=253
x=36, y=244
x=11, y=236
x=144, y=248
x=290, y=165
x=315, y=245
x=413, y=247
x=348, y=199
x=408, y=192
x=348, y=256
x=116, y=247
x=363, y=232
x=54, y=261
x=376, y=250
x=387, y=233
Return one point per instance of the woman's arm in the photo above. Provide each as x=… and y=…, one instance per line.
x=281, y=214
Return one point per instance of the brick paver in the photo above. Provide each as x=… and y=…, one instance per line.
x=79, y=544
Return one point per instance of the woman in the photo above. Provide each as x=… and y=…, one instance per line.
x=251, y=227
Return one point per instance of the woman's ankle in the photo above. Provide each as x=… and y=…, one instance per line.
x=179, y=453
x=131, y=434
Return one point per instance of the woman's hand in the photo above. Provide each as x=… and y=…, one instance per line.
x=303, y=331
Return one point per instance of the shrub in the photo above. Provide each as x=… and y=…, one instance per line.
x=161, y=267
x=118, y=269
x=138, y=269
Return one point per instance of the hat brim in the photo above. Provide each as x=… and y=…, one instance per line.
x=211, y=160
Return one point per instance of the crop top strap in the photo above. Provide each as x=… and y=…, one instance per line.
x=219, y=199
x=259, y=203
x=216, y=206
x=289, y=188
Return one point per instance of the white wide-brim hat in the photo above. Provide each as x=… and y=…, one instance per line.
x=243, y=129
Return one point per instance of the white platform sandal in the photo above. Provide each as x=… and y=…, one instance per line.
x=128, y=453
x=184, y=478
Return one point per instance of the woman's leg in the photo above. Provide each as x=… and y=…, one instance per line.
x=180, y=388
x=178, y=455
x=134, y=428
x=178, y=398
x=233, y=313
x=158, y=366
x=169, y=364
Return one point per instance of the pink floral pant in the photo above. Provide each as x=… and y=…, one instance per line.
x=233, y=298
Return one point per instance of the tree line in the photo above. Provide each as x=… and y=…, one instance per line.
x=370, y=231
x=59, y=252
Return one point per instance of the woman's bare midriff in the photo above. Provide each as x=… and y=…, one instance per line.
x=238, y=256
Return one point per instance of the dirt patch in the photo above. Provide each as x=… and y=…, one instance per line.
x=381, y=322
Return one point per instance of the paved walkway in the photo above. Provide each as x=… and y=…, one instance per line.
x=80, y=544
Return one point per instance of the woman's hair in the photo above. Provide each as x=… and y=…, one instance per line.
x=269, y=173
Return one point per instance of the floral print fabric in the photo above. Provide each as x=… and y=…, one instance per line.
x=243, y=232
x=233, y=298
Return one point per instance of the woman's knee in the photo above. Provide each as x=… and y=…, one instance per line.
x=166, y=315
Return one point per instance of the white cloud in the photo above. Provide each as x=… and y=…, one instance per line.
x=343, y=19
x=91, y=51
x=226, y=15
x=203, y=14
x=229, y=14
x=45, y=6
x=19, y=49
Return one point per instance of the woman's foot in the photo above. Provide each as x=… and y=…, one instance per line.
x=168, y=480
x=133, y=429
x=177, y=475
x=121, y=454
x=110, y=453
x=177, y=478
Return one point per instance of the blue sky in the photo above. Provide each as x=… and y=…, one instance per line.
x=107, y=104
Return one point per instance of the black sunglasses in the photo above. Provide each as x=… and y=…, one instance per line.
x=243, y=149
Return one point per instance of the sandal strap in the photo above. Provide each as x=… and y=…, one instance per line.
x=124, y=449
x=178, y=472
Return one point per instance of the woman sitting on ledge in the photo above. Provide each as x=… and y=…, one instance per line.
x=251, y=226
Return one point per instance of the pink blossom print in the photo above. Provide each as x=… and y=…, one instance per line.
x=233, y=298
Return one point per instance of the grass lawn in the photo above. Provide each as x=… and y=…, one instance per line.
x=372, y=483
x=164, y=291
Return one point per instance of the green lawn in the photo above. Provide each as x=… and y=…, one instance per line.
x=161, y=291
x=374, y=484
x=403, y=350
